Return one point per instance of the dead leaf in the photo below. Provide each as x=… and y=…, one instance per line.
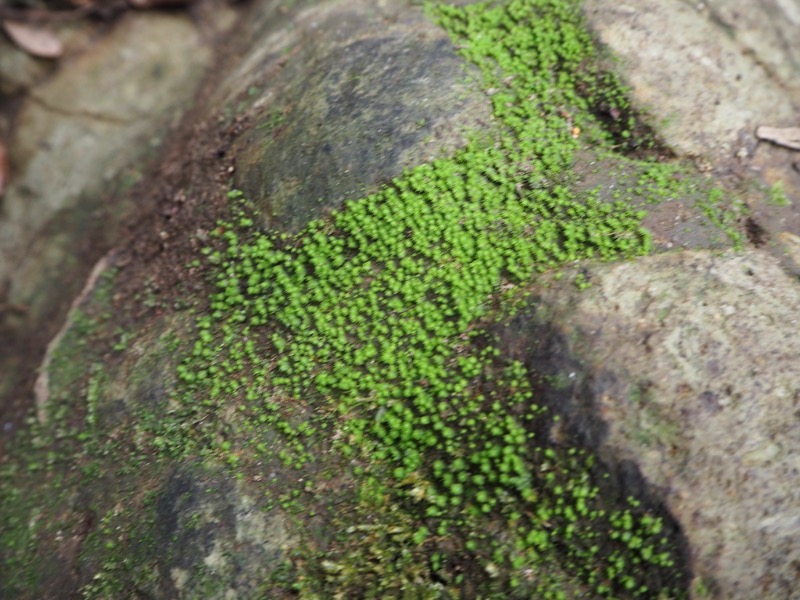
x=788, y=137
x=36, y=40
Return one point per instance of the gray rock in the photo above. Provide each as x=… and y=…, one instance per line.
x=685, y=365
x=346, y=97
x=219, y=541
x=691, y=66
x=18, y=70
x=82, y=139
x=709, y=74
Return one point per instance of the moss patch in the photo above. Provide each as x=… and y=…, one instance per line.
x=352, y=360
x=359, y=337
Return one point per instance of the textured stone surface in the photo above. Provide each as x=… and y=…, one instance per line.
x=685, y=365
x=18, y=70
x=343, y=100
x=214, y=530
x=707, y=88
x=79, y=139
x=709, y=74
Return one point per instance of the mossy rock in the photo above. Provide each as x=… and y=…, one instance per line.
x=349, y=97
x=337, y=417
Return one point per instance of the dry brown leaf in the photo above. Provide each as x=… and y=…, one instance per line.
x=36, y=40
x=788, y=137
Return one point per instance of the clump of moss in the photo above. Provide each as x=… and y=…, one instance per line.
x=725, y=214
x=359, y=338
x=361, y=328
x=777, y=195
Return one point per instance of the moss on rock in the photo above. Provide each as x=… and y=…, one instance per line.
x=359, y=335
x=342, y=378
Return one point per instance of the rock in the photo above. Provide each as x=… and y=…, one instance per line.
x=707, y=88
x=684, y=365
x=81, y=140
x=766, y=32
x=201, y=516
x=18, y=70
x=346, y=98
x=733, y=68
x=107, y=115
x=90, y=141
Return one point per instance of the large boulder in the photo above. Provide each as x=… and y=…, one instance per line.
x=684, y=365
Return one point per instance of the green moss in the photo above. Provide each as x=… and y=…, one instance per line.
x=777, y=195
x=356, y=347
x=358, y=336
x=725, y=213
x=272, y=124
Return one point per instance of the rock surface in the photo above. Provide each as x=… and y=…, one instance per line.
x=734, y=67
x=348, y=97
x=685, y=365
x=82, y=139
x=89, y=125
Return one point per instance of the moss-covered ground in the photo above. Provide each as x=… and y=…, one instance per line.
x=354, y=351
